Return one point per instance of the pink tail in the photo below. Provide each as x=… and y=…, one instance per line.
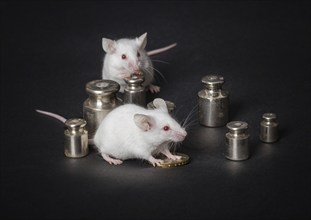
x=58, y=117
x=160, y=50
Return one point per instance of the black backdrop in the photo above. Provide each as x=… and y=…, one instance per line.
x=49, y=51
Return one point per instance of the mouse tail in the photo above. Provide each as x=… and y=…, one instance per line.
x=60, y=118
x=53, y=115
x=160, y=50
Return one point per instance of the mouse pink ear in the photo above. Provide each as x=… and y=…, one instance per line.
x=144, y=122
x=109, y=46
x=160, y=104
x=142, y=41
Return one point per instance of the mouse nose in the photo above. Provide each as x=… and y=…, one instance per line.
x=184, y=133
x=181, y=135
x=134, y=68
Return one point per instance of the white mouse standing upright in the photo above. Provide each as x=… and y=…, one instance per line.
x=133, y=132
x=125, y=57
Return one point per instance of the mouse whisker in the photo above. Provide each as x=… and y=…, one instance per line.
x=177, y=110
x=159, y=73
x=187, y=123
x=190, y=124
x=191, y=113
x=173, y=147
x=160, y=61
x=148, y=71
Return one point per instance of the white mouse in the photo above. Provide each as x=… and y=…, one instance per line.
x=133, y=132
x=125, y=57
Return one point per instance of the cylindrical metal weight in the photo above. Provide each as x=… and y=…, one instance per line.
x=269, y=128
x=213, y=102
x=237, y=141
x=102, y=99
x=134, y=92
x=76, y=138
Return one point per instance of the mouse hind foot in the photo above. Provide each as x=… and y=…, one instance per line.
x=111, y=160
x=153, y=88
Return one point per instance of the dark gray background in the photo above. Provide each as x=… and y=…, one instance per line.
x=49, y=51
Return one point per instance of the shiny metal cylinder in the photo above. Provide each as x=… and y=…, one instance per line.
x=269, y=128
x=102, y=99
x=135, y=92
x=213, y=102
x=237, y=141
x=76, y=138
x=170, y=106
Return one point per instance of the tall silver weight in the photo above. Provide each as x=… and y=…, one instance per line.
x=134, y=91
x=76, y=138
x=237, y=141
x=102, y=99
x=213, y=102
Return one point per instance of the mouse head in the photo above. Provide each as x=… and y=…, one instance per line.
x=159, y=124
x=128, y=55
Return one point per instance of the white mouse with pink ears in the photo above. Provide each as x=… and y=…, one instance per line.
x=125, y=57
x=133, y=132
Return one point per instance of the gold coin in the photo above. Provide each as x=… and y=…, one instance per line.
x=185, y=159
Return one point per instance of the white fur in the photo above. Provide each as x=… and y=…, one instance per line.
x=115, y=68
x=121, y=136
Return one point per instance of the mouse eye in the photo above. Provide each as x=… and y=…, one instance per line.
x=166, y=128
x=138, y=54
x=123, y=56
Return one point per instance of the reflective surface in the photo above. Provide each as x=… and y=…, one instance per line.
x=76, y=138
x=135, y=92
x=237, y=141
x=269, y=128
x=102, y=99
x=213, y=102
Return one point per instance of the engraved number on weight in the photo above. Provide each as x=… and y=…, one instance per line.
x=102, y=84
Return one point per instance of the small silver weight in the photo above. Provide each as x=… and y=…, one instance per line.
x=76, y=138
x=102, y=99
x=135, y=92
x=269, y=128
x=237, y=141
x=213, y=102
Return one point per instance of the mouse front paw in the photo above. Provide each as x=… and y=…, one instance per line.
x=169, y=155
x=125, y=76
x=154, y=161
x=174, y=157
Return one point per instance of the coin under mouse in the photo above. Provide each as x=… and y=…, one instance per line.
x=185, y=159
